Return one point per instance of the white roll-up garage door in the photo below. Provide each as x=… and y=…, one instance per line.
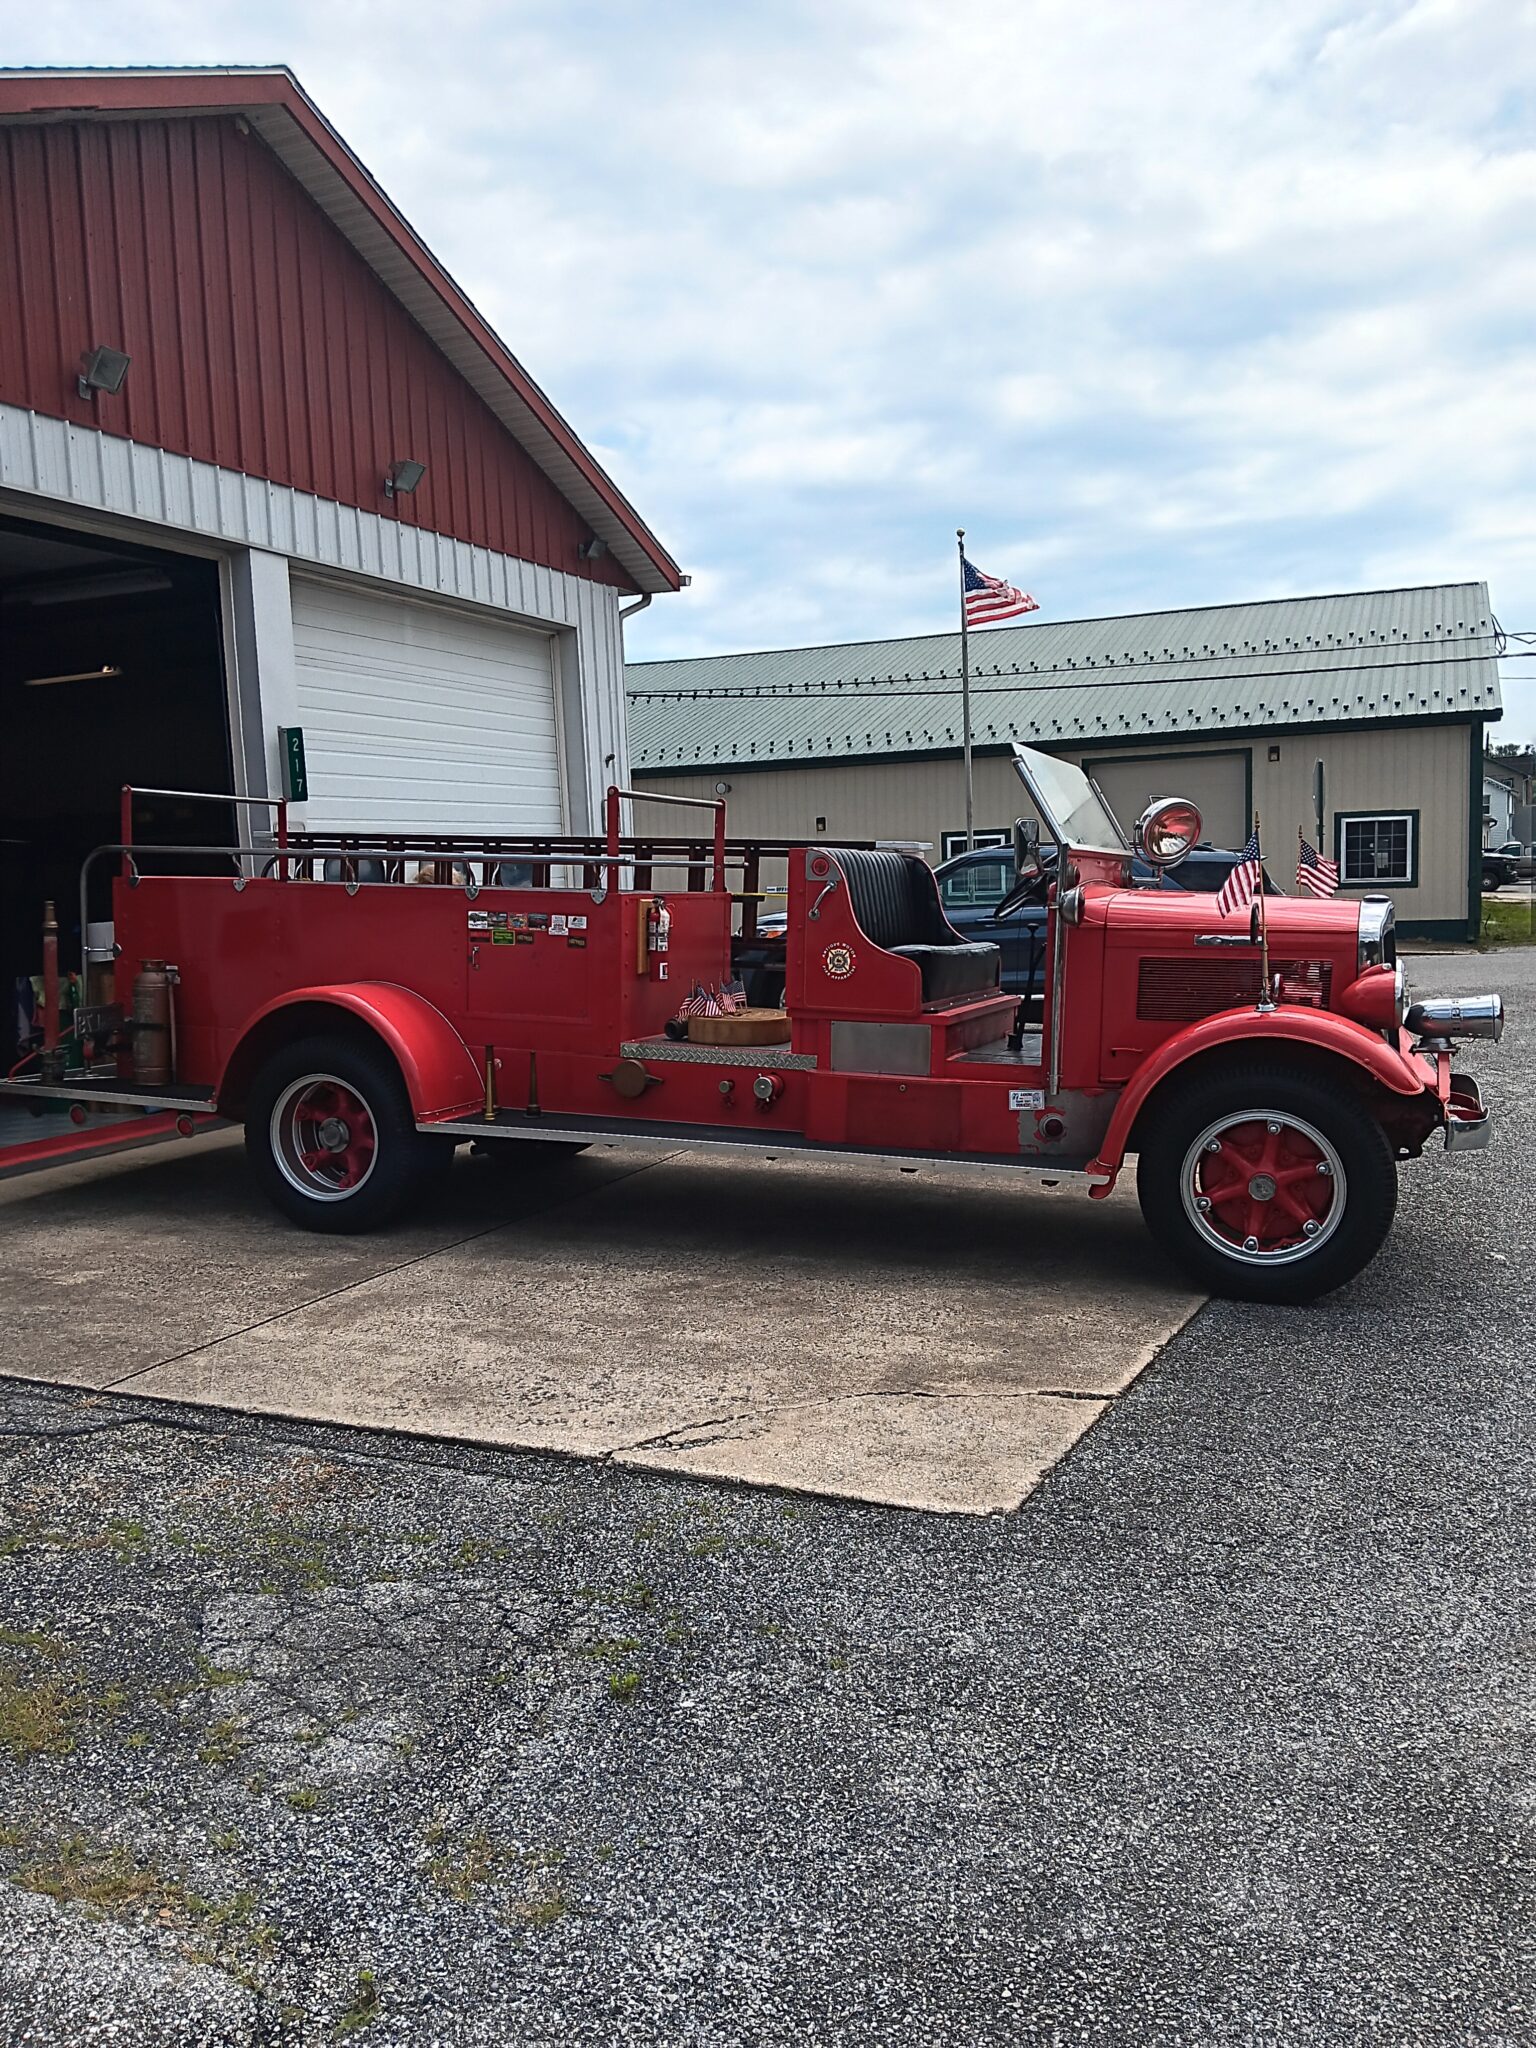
x=420, y=717
x=1217, y=783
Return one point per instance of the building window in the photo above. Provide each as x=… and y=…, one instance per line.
x=1376, y=847
x=954, y=842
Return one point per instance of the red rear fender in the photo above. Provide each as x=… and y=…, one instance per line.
x=439, y=1070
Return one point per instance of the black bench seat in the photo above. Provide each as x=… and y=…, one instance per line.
x=896, y=901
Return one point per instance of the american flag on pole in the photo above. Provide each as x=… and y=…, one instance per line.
x=989, y=598
x=1245, y=880
x=1317, y=876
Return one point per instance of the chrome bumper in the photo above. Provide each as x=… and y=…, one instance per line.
x=1467, y=1123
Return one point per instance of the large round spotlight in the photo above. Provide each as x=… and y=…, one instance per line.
x=1166, y=830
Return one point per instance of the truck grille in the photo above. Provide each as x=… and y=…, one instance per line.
x=1182, y=991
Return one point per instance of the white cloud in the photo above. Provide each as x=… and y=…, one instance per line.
x=1164, y=304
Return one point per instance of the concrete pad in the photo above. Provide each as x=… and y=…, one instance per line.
x=632, y=1311
x=950, y=1453
x=113, y=1265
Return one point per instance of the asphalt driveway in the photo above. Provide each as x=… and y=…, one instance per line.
x=1226, y=1736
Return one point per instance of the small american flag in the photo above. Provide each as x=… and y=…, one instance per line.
x=694, y=1004
x=1317, y=876
x=988, y=598
x=1245, y=880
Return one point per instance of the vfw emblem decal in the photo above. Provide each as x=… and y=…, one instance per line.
x=838, y=960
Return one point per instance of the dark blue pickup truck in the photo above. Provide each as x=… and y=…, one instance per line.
x=972, y=885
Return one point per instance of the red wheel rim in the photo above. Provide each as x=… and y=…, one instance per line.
x=1264, y=1187
x=324, y=1137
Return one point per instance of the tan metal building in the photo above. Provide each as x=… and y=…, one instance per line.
x=1232, y=705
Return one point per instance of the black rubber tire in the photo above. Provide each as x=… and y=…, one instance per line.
x=405, y=1163
x=1175, y=1119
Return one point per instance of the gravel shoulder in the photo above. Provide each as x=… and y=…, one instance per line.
x=309, y=1733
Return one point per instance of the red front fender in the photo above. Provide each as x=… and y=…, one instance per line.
x=1320, y=1030
x=440, y=1073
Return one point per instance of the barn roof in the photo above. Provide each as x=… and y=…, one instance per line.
x=272, y=101
x=1363, y=656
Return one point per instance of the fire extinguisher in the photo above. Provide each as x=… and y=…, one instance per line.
x=658, y=926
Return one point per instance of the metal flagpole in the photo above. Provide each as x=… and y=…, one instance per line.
x=965, y=699
x=1265, y=998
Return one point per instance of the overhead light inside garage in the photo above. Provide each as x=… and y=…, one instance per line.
x=84, y=675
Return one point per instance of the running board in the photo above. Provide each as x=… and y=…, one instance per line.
x=668, y=1137
x=114, y=1094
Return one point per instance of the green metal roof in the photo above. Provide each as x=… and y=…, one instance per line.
x=1308, y=661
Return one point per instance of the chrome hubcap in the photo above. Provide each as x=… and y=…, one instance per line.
x=323, y=1137
x=1263, y=1187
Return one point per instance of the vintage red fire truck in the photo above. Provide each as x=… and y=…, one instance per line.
x=364, y=1004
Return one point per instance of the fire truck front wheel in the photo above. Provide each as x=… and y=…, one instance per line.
x=330, y=1135
x=1268, y=1182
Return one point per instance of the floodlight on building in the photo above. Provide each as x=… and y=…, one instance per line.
x=403, y=477
x=102, y=370
x=591, y=550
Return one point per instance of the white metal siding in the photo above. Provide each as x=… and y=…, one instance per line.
x=56, y=466
x=421, y=716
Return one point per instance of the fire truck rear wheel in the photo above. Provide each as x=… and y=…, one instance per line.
x=1267, y=1182
x=331, y=1138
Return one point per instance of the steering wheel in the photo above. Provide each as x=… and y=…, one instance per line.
x=1029, y=886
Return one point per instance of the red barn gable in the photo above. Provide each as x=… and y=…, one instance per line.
x=283, y=320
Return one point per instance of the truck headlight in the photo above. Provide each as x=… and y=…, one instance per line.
x=1166, y=830
x=1378, y=999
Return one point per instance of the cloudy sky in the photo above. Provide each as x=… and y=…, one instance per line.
x=1165, y=303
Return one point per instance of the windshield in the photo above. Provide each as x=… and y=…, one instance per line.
x=1070, y=807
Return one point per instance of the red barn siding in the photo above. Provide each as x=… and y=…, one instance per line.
x=260, y=339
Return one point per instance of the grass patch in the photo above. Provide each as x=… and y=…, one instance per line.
x=214, y=1676
x=303, y=1799
x=1507, y=921
x=543, y=1910
x=32, y=1639
x=464, y=1868
x=38, y=1716
x=109, y=1883
x=466, y=1865
x=364, y=2006
x=223, y=1742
